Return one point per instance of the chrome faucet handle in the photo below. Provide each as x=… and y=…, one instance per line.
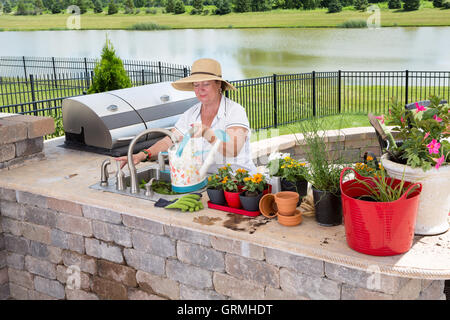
x=148, y=188
x=134, y=184
x=161, y=159
x=104, y=172
x=120, y=178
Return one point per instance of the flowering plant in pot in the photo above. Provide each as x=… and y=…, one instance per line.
x=324, y=168
x=291, y=172
x=370, y=167
x=379, y=213
x=214, y=189
x=423, y=155
x=253, y=191
x=239, y=176
x=231, y=192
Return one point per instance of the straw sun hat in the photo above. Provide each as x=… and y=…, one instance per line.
x=202, y=70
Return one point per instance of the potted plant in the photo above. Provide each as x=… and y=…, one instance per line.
x=252, y=191
x=324, y=168
x=292, y=174
x=231, y=192
x=379, y=212
x=424, y=156
x=214, y=188
x=239, y=176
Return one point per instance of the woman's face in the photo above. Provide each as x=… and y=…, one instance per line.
x=207, y=91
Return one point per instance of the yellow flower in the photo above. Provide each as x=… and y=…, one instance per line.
x=303, y=164
x=283, y=166
x=369, y=158
x=209, y=178
x=287, y=158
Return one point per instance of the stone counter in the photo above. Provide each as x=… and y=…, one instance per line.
x=63, y=240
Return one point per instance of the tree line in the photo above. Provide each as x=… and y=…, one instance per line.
x=221, y=7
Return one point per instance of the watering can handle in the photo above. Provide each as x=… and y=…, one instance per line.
x=409, y=189
x=209, y=158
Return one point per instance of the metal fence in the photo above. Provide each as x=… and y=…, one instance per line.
x=269, y=101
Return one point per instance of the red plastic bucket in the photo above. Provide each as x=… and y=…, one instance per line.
x=378, y=228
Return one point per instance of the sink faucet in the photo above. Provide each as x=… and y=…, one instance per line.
x=134, y=184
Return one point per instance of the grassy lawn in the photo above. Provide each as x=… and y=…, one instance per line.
x=328, y=123
x=426, y=16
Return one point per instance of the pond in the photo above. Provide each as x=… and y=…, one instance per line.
x=246, y=53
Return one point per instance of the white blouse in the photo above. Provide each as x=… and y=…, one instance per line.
x=230, y=114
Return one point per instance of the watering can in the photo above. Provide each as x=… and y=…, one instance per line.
x=187, y=169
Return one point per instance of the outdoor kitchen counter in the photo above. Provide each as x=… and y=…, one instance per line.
x=66, y=174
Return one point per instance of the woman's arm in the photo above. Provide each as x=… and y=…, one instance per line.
x=234, y=145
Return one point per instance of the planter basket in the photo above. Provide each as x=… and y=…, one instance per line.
x=378, y=228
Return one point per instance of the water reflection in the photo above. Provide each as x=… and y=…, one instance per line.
x=249, y=53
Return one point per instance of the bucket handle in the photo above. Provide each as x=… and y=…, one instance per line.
x=358, y=176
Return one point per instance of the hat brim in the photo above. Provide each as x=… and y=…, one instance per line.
x=187, y=84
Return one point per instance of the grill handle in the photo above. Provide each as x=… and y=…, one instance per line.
x=134, y=184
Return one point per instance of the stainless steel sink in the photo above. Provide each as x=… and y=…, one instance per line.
x=146, y=173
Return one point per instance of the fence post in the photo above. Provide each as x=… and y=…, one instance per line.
x=54, y=73
x=314, y=92
x=406, y=86
x=24, y=68
x=143, y=77
x=33, y=95
x=86, y=73
x=339, y=91
x=185, y=72
x=275, y=111
x=160, y=71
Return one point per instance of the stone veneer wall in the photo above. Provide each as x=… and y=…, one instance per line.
x=59, y=249
x=21, y=138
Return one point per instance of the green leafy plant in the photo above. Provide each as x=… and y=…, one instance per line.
x=214, y=182
x=371, y=167
x=423, y=133
x=381, y=188
x=109, y=73
x=240, y=175
x=255, y=184
x=229, y=184
x=225, y=171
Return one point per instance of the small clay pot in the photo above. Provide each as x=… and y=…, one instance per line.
x=286, y=202
x=290, y=221
x=267, y=206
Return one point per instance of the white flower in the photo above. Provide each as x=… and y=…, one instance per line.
x=278, y=155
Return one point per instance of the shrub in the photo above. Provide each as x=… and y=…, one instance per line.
x=7, y=7
x=170, y=6
x=361, y=4
x=109, y=73
x=334, y=6
x=98, y=7
x=198, y=5
x=394, y=4
x=112, y=8
x=353, y=24
x=148, y=26
x=446, y=5
x=179, y=7
x=410, y=5
x=241, y=5
x=193, y=11
x=205, y=12
x=438, y=3
x=223, y=7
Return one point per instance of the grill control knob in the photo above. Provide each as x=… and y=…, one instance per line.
x=164, y=98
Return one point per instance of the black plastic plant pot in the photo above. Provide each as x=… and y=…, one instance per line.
x=328, y=208
x=216, y=196
x=250, y=203
x=300, y=186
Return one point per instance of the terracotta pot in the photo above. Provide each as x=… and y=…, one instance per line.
x=250, y=203
x=216, y=196
x=267, y=206
x=286, y=202
x=290, y=221
x=232, y=199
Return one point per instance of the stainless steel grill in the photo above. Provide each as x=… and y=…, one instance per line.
x=107, y=122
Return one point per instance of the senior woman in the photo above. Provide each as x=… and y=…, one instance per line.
x=214, y=111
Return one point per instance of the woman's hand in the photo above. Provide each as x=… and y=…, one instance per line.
x=137, y=158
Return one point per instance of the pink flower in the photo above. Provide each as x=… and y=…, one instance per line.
x=381, y=118
x=401, y=119
x=435, y=117
x=433, y=146
x=420, y=108
x=439, y=162
x=426, y=135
